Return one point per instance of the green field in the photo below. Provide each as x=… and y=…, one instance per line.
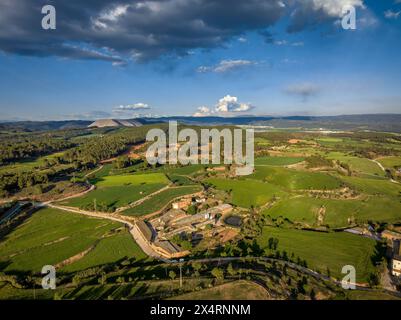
x=49, y=237
x=247, y=193
x=337, y=212
x=390, y=162
x=364, y=166
x=160, y=200
x=103, y=172
x=132, y=179
x=113, y=192
x=109, y=250
x=277, y=161
x=328, y=140
x=380, y=209
x=306, y=209
x=373, y=186
x=111, y=198
x=324, y=251
x=180, y=180
x=296, y=180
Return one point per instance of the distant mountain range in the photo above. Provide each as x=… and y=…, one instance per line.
x=374, y=122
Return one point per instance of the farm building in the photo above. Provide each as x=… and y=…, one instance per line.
x=391, y=235
x=145, y=230
x=168, y=249
x=208, y=216
x=182, y=204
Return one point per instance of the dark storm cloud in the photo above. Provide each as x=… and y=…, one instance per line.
x=114, y=30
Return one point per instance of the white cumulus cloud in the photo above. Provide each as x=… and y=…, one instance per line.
x=203, y=112
x=225, y=106
x=231, y=104
x=334, y=8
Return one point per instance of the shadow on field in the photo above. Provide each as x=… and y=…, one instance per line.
x=4, y=264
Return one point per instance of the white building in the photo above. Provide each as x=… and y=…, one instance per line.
x=396, y=261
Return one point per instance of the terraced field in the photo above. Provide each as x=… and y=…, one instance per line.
x=390, y=162
x=335, y=213
x=111, y=198
x=50, y=236
x=160, y=200
x=382, y=187
x=277, y=161
x=323, y=251
x=132, y=179
x=296, y=180
x=113, y=192
x=247, y=193
x=109, y=250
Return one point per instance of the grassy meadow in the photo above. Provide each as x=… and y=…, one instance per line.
x=323, y=251
x=160, y=200
x=247, y=193
x=291, y=179
x=113, y=192
x=50, y=236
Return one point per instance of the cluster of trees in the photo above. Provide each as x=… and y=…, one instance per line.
x=317, y=161
x=183, y=240
x=30, y=148
x=20, y=180
x=105, y=147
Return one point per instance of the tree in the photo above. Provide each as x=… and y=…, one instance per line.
x=312, y=294
x=218, y=273
x=197, y=266
x=231, y=271
x=38, y=189
x=102, y=279
x=300, y=287
x=285, y=256
x=192, y=209
x=172, y=274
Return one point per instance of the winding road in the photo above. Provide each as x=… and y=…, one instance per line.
x=384, y=170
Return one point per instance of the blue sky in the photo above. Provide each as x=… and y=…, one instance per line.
x=320, y=69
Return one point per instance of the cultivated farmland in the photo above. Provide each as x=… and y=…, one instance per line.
x=325, y=251
x=161, y=200
x=51, y=236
